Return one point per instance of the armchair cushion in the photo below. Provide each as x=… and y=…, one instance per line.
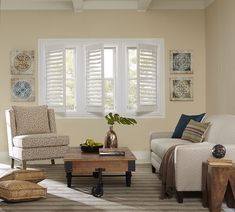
x=40, y=140
x=31, y=120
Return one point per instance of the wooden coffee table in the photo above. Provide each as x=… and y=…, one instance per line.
x=77, y=162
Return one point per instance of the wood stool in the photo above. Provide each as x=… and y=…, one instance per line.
x=218, y=182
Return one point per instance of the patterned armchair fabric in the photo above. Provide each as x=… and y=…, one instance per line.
x=32, y=134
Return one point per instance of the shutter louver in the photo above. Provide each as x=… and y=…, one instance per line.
x=94, y=78
x=147, y=78
x=55, y=78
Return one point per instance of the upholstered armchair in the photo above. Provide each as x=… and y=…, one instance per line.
x=32, y=135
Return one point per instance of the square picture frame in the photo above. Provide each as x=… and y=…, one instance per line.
x=22, y=89
x=22, y=62
x=181, y=89
x=181, y=62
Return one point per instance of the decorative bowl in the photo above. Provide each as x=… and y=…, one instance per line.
x=218, y=151
x=90, y=149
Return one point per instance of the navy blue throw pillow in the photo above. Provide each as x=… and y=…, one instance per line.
x=183, y=121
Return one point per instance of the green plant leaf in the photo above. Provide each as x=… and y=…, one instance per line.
x=116, y=118
x=111, y=116
x=133, y=120
x=110, y=122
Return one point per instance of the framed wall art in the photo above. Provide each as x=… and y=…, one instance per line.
x=22, y=89
x=181, y=89
x=22, y=62
x=181, y=62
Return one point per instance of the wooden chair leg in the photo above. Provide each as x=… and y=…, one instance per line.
x=53, y=161
x=12, y=163
x=24, y=164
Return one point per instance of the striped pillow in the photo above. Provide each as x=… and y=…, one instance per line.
x=195, y=131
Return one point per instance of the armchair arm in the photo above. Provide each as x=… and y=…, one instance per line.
x=52, y=123
x=154, y=135
x=11, y=129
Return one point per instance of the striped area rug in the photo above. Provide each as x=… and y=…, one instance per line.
x=143, y=195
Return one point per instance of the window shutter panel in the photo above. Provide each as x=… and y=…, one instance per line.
x=147, y=78
x=94, y=78
x=55, y=78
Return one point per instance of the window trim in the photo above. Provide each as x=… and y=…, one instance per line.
x=121, y=46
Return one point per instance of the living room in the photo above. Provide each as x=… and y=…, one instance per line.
x=200, y=27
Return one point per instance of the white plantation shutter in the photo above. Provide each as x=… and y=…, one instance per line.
x=147, y=78
x=94, y=78
x=55, y=78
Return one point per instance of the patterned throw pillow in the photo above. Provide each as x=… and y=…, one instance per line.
x=18, y=190
x=31, y=120
x=195, y=131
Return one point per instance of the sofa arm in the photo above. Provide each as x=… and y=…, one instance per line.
x=188, y=165
x=154, y=135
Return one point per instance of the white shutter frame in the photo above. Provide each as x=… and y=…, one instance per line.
x=55, y=77
x=146, y=78
x=95, y=78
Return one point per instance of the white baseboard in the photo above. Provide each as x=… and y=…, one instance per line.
x=4, y=157
x=142, y=157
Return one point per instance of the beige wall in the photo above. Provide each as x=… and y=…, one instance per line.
x=220, y=59
x=180, y=29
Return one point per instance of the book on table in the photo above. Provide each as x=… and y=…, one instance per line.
x=111, y=152
x=221, y=161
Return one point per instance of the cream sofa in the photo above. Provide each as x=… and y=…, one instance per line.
x=189, y=157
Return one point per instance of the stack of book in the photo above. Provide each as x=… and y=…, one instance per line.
x=220, y=162
x=111, y=152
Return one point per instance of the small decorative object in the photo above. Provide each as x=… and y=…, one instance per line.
x=22, y=90
x=91, y=146
x=22, y=62
x=111, y=140
x=181, y=89
x=218, y=151
x=181, y=62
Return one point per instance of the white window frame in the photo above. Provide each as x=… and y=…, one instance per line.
x=121, y=68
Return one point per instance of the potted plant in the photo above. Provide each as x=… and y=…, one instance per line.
x=111, y=137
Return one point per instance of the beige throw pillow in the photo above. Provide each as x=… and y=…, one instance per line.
x=195, y=131
x=17, y=191
x=31, y=120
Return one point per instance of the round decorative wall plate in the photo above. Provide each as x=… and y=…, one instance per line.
x=181, y=62
x=22, y=90
x=22, y=62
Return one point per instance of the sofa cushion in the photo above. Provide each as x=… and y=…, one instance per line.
x=31, y=120
x=195, y=131
x=18, y=190
x=32, y=175
x=40, y=140
x=183, y=121
x=161, y=145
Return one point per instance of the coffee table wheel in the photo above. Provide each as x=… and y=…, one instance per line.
x=95, y=174
x=97, y=191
